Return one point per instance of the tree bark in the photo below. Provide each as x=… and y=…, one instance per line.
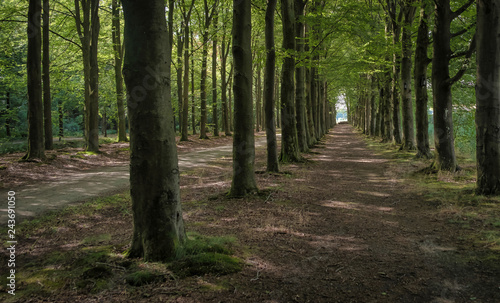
x=154, y=172
x=61, y=120
x=269, y=100
x=420, y=76
x=185, y=95
x=93, y=109
x=405, y=85
x=215, y=113
x=487, y=97
x=224, y=85
x=33, y=65
x=118, y=57
x=258, y=89
x=193, y=101
x=396, y=69
x=243, y=181
x=300, y=102
x=289, y=141
x=180, y=49
x=47, y=99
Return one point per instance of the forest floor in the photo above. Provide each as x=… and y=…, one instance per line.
x=357, y=221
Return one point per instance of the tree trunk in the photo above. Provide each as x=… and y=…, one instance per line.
x=396, y=69
x=8, y=120
x=185, y=94
x=487, y=97
x=215, y=114
x=118, y=56
x=193, y=104
x=154, y=172
x=224, y=85
x=203, y=88
x=300, y=102
x=373, y=107
x=61, y=120
x=33, y=66
x=420, y=76
x=47, y=99
x=243, y=182
x=258, y=89
x=405, y=85
x=441, y=89
x=289, y=140
x=93, y=109
x=180, y=49
x=269, y=100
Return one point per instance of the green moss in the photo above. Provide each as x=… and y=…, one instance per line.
x=142, y=277
x=206, y=263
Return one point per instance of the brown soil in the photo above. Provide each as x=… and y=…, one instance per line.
x=340, y=227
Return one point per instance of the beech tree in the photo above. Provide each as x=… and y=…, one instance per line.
x=47, y=99
x=154, y=172
x=243, y=181
x=488, y=97
x=442, y=82
x=118, y=59
x=33, y=64
x=269, y=100
x=289, y=141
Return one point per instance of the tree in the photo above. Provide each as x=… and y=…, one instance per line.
x=186, y=14
x=300, y=101
x=269, y=100
x=47, y=99
x=488, y=97
x=444, y=140
x=118, y=58
x=154, y=171
x=243, y=181
x=420, y=78
x=405, y=85
x=224, y=84
x=214, y=79
x=33, y=64
x=289, y=140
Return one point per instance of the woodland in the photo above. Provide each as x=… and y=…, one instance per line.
x=323, y=211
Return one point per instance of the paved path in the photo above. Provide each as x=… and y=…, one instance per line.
x=78, y=187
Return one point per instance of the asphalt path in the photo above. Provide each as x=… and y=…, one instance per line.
x=80, y=186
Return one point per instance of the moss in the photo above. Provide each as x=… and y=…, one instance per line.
x=206, y=263
x=142, y=277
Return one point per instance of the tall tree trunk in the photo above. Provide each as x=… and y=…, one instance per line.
x=47, y=99
x=289, y=141
x=215, y=119
x=373, y=107
x=300, y=101
x=186, y=14
x=243, y=182
x=488, y=97
x=93, y=110
x=8, y=120
x=118, y=56
x=396, y=69
x=405, y=85
x=224, y=85
x=444, y=140
x=61, y=120
x=420, y=76
x=258, y=89
x=269, y=100
x=203, y=88
x=154, y=172
x=193, y=101
x=180, y=49
x=33, y=65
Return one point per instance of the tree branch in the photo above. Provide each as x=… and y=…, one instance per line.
x=461, y=71
x=462, y=9
x=66, y=39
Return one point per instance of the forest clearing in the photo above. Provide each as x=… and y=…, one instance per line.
x=356, y=222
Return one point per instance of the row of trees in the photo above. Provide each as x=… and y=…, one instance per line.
x=384, y=102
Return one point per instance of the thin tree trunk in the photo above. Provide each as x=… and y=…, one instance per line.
x=185, y=94
x=420, y=76
x=405, y=85
x=487, y=97
x=215, y=114
x=93, y=113
x=154, y=172
x=61, y=120
x=258, y=89
x=118, y=57
x=8, y=120
x=33, y=66
x=47, y=99
x=180, y=49
x=289, y=142
x=269, y=101
x=224, y=85
x=243, y=182
x=193, y=101
x=300, y=102
x=203, y=88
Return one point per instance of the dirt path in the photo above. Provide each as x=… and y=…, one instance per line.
x=344, y=230
x=76, y=186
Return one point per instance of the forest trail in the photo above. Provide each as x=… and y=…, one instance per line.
x=344, y=229
x=74, y=187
